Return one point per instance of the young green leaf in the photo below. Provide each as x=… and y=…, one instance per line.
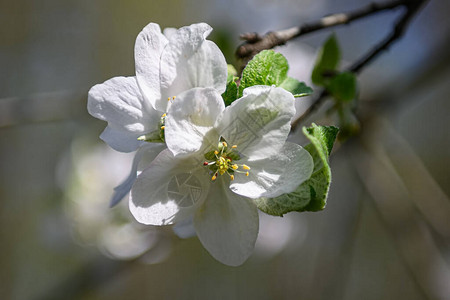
x=231, y=92
x=270, y=68
x=327, y=61
x=266, y=68
x=343, y=86
x=231, y=72
x=297, y=88
x=312, y=194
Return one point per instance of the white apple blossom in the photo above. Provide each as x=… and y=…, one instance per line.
x=166, y=65
x=218, y=160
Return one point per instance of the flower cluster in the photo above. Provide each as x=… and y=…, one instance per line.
x=207, y=162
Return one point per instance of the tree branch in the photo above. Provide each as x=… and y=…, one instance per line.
x=412, y=7
x=255, y=43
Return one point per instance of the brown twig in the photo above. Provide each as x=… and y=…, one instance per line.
x=412, y=7
x=255, y=43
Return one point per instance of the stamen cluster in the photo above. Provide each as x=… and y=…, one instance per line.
x=221, y=161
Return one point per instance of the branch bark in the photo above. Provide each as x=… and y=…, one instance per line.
x=255, y=43
x=412, y=7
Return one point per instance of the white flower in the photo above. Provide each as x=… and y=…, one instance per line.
x=217, y=159
x=165, y=66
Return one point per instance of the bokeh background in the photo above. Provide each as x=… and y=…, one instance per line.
x=385, y=233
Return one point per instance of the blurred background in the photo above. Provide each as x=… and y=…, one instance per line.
x=385, y=233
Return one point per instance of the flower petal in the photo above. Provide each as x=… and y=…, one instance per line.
x=147, y=54
x=119, y=102
x=169, y=190
x=276, y=175
x=150, y=151
x=190, y=117
x=185, y=229
x=169, y=33
x=227, y=225
x=190, y=61
x=120, y=140
x=259, y=122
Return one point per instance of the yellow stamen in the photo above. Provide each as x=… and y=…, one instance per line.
x=224, y=144
x=234, y=167
x=216, y=152
x=173, y=98
x=162, y=127
x=234, y=146
x=168, y=99
x=214, y=177
x=246, y=167
x=246, y=174
x=164, y=115
x=232, y=177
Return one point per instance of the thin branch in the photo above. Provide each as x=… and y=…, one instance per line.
x=413, y=6
x=255, y=43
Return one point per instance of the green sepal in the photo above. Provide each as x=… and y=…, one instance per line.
x=233, y=155
x=152, y=137
x=270, y=68
x=210, y=155
x=312, y=194
x=327, y=62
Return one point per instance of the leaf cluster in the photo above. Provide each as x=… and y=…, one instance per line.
x=266, y=68
x=342, y=86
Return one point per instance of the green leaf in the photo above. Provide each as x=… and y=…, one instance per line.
x=343, y=87
x=327, y=61
x=266, y=68
x=270, y=68
x=297, y=88
x=231, y=72
x=231, y=92
x=322, y=137
x=312, y=194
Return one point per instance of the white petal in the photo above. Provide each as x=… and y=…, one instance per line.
x=169, y=33
x=149, y=151
x=259, y=122
x=119, y=102
x=169, y=190
x=190, y=61
x=227, y=225
x=185, y=229
x=189, y=119
x=147, y=54
x=279, y=174
x=120, y=140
